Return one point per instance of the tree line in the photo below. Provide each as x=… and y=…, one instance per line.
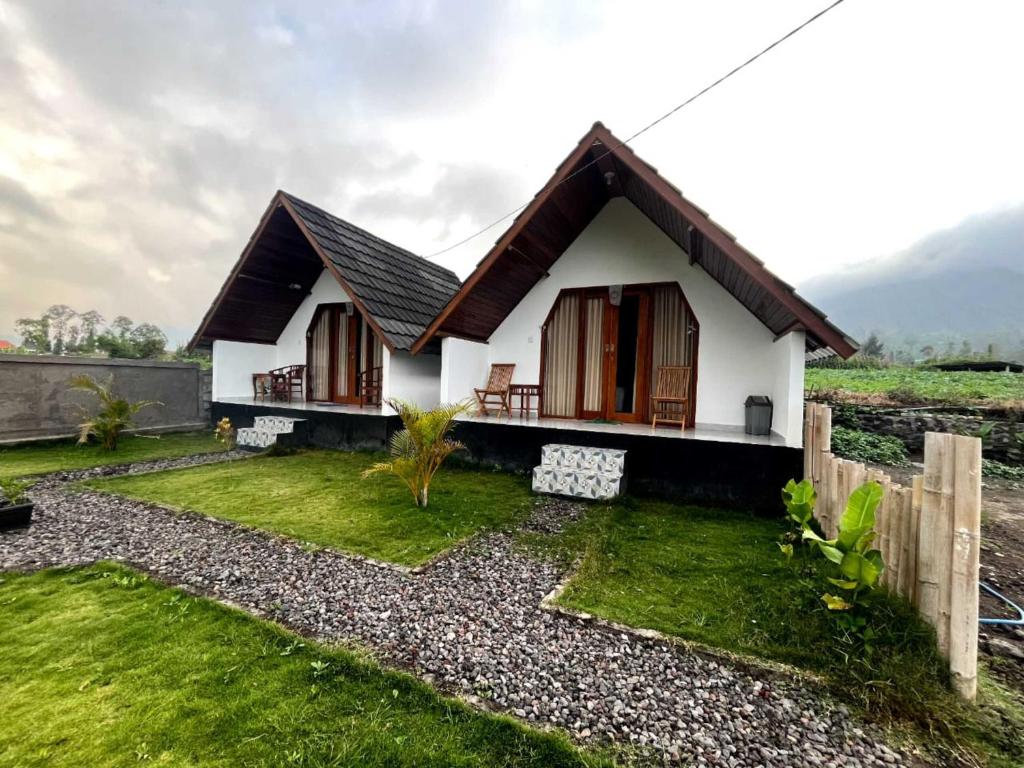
x=61, y=330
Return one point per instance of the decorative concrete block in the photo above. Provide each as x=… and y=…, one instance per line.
x=606, y=460
x=582, y=484
x=580, y=471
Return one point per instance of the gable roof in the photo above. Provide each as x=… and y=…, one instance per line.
x=599, y=168
x=398, y=291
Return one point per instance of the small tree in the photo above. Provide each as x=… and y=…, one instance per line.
x=114, y=415
x=418, y=450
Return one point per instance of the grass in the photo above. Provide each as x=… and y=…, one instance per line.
x=717, y=577
x=920, y=386
x=66, y=455
x=103, y=667
x=869, y=447
x=319, y=497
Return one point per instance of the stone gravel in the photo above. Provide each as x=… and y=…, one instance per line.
x=471, y=624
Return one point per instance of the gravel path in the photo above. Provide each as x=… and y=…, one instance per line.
x=470, y=623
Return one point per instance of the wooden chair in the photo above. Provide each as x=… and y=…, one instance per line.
x=671, y=398
x=287, y=380
x=370, y=384
x=497, y=386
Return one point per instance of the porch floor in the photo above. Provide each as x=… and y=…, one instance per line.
x=717, y=434
x=307, y=406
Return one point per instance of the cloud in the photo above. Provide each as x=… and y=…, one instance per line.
x=141, y=139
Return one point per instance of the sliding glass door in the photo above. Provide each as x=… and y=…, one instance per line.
x=602, y=347
x=341, y=350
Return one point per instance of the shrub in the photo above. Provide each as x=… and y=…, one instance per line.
x=419, y=450
x=113, y=417
x=12, y=492
x=991, y=468
x=868, y=447
x=225, y=433
x=857, y=362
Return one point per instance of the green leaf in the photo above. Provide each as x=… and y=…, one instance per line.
x=843, y=584
x=799, y=499
x=787, y=550
x=875, y=558
x=833, y=554
x=860, y=509
x=858, y=568
x=836, y=603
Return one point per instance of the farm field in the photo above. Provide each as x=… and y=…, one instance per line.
x=915, y=386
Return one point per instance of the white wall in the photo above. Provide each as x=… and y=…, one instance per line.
x=411, y=378
x=234, y=363
x=291, y=344
x=788, y=396
x=464, y=366
x=414, y=378
x=736, y=355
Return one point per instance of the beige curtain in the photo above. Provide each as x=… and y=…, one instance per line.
x=674, y=329
x=592, y=357
x=376, y=352
x=342, y=373
x=320, y=357
x=562, y=353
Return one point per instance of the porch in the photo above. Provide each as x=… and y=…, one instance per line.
x=703, y=464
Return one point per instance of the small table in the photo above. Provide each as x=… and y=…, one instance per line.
x=526, y=393
x=261, y=385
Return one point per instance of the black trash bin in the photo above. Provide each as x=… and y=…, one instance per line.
x=759, y=415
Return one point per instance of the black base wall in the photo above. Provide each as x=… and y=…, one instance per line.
x=732, y=475
x=324, y=429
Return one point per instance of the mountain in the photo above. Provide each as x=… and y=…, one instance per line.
x=964, y=284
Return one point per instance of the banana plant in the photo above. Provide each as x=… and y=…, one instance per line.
x=859, y=566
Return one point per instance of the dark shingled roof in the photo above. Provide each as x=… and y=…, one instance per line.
x=295, y=241
x=401, y=291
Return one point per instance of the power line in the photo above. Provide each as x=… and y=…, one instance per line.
x=650, y=125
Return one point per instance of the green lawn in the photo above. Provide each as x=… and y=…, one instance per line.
x=718, y=578
x=915, y=385
x=66, y=455
x=102, y=667
x=318, y=496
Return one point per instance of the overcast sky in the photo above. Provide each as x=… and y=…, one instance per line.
x=141, y=141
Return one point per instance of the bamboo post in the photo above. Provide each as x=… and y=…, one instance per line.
x=929, y=534
x=916, y=497
x=833, y=494
x=823, y=439
x=963, y=640
x=834, y=512
x=898, y=540
x=808, y=438
x=880, y=543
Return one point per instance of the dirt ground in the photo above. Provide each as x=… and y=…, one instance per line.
x=1002, y=567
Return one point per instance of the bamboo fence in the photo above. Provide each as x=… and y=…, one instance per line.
x=929, y=534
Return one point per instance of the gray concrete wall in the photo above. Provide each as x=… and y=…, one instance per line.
x=35, y=401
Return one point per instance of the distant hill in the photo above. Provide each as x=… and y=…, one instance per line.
x=960, y=284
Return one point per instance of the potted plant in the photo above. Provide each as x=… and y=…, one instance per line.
x=15, y=505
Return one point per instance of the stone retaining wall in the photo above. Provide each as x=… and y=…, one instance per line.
x=909, y=426
x=35, y=401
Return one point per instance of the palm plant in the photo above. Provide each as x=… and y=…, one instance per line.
x=114, y=415
x=418, y=450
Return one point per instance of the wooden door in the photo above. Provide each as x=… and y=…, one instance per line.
x=627, y=355
x=345, y=363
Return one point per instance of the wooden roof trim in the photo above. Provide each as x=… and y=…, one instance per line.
x=233, y=274
x=814, y=320
x=333, y=269
x=726, y=243
x=509, y=235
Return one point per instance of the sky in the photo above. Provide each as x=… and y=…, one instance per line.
x=141, y=141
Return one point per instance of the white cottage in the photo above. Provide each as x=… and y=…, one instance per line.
x=337, y=305
x=610, y=274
